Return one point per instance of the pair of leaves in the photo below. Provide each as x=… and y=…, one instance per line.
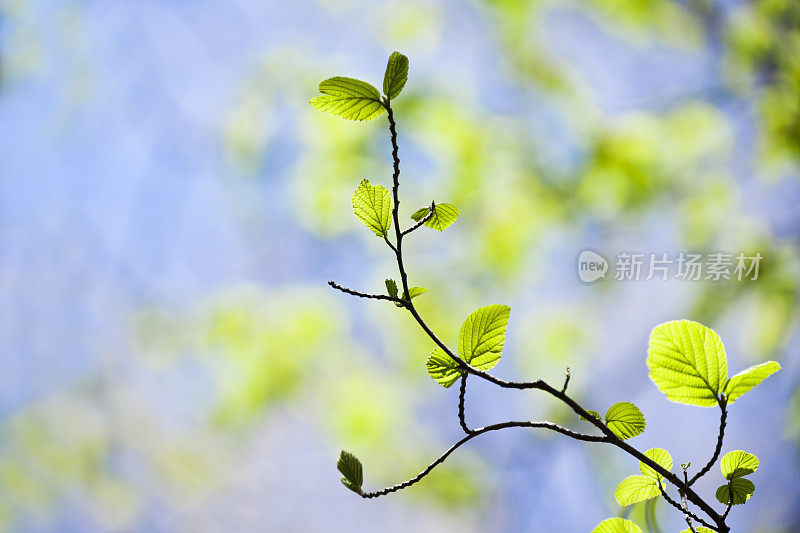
x=413, y=292
x=635, y=489
x=624, y=419
x=351, y=469
x=480, y=344
x=443, y=216
x=734, y=466
x=688, y=363
x=358, y=100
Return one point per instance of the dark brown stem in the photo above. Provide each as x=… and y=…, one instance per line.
x=366, y=295
x=723, y=405
x=462, y=392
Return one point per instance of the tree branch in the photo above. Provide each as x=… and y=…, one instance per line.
x=462, y=419
x=422, y=220
x=473, y=434
x=686, y=512
x=366, y=295
x=723, y=405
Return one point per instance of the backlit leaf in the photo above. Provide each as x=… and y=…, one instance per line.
x=482, y=336
x=396, y=75
x=442, y=367
x=349, y=98
x=443, y=216
x=687, y=362
x=625, y=420
x=660, y=456
x=372, y=204
x=616, y=525
x=738, y=463
x=745, y=380
x=635, y=489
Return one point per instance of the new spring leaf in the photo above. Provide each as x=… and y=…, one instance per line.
x=351, y=469
x=482, y=336
x=625, y=420
x=616, y=525
x=372, y=204
x=349, y=98
x=442, y=368
x=443, y=216
x=396, y=75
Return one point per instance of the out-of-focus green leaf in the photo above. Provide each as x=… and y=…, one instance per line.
x=687, y=362
x=738, y=463
x=351, y=469
x=349, y=98
x=742, y=489
x=372, y=204
x=635, y=489
x=660, y=456
x=482, y=336
x=443, y=216
x=625, y=420
x=749, y=378
x=616, y=525
x=442, y=367
x=396, y=75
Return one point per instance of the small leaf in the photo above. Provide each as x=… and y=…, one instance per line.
x=738, y=463
x=391, y=288
x=699, y=529
x=687, y=362
x=660, y=456
x=349, y=98
x=749, y=378
x=396, y=75
x=635, y=489
x=442, y=368
x=742, y=487
x=625, y=420
x=416, y=291
x=350, y=467
x=482, y=336
x=443, y=216
x=616, y=525
x=373, y=206
x=594, y=414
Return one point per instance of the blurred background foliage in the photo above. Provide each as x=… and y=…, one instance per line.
x=171, y=209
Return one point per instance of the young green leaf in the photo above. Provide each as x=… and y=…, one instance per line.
x=372, y=204
x=738, y=463
x=742, y=489
x=442, y=368
x=635, y=489
x=660, y=456
x=616, y=525
x=699, y=529
x=595, y=414
x=391, y=288
x=687, y=362
x=625, y=420
x=350, y=467
x=482, y=336
x=748, y=379
x=396, y=75
x=349, y=98
x=443, y=216
x=415, y=291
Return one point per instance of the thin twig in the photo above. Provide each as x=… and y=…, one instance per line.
x=423, y=220
x=475, y=433
x=730, y=500
x=462, y=392
x=686, y=512
x=566, y=381
x=723, y=405
x=685, y=507
x=366, y=295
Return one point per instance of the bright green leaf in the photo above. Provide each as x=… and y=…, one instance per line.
x=391, y=288
x=416, y=291
x=442, y=368
x=749, y=378
x=396, y=75
x=482, y=336
x=372, y=204
x=699, y=529
x=742, y=487
x=350, y=467
x=443, y=216
x=687, y=362
x=738, y=463
x=625, y=420
x=616, y=525
x=594, y=414
x=349, y=98
x=635, y=489
x=660, y=456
